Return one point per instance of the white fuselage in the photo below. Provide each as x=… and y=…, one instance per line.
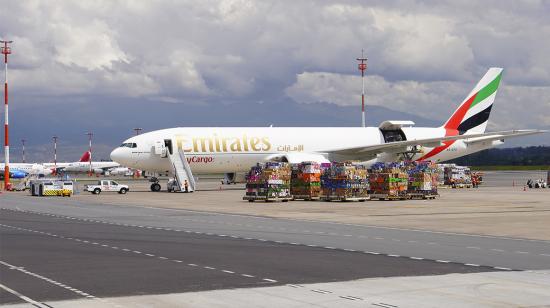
x=31, y=169
x=83, y=167
x=236, y=149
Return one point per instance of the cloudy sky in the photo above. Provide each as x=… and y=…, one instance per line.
x=96, y=65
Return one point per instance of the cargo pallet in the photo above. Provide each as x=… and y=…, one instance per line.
x=306, y=197
x=340, y=198
x=420, y=195
x=266, y=199
x=381, y=197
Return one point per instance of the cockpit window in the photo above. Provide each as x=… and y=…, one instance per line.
x=128, y=145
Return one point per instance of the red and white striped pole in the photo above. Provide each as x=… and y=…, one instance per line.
x=362, y=67
x=55, y=154
x=6, y=51
x=90, y=134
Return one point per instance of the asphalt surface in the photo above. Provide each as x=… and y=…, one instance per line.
x=54, y=249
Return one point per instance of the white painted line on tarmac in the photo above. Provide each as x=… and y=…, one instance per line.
x=321, y=291
x=269, y=280
x=521, y=252
x=499, y=250
x=353, y=298
x=471, y=264
x=23, y=297
x=502, y=268
x=229, y=272
x=443, y=261
x=372, y=252
x=21, y=269
x=416, y=258
x=246, y=275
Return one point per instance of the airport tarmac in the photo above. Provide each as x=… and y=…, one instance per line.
x=210, y=248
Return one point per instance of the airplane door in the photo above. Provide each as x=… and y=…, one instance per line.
x=168, y=145
x=160, y=149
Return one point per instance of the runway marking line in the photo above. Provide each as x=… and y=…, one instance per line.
x=321, y=291
x=292, y=243
x=353, y=298
x=21, y=269
x=129, y=250
x=23, y=297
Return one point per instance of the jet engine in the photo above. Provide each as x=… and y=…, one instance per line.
x=234, y=178
x=296, y=158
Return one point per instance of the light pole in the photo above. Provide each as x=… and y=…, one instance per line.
x=362, y=67
x=55, y=154
x=138, y=130
x=6, y=51
x=90, y=134
x=23, y=143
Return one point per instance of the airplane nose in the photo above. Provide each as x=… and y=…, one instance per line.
x=117, y=155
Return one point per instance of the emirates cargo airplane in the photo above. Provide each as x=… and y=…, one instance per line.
x=233, y=150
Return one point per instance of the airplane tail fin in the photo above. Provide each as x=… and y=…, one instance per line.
x=85, y=157
x=472, y=115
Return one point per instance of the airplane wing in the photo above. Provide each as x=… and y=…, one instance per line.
x=402, y=146
x=504, y=135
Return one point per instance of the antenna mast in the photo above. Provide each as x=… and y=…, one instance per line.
x=362, y=67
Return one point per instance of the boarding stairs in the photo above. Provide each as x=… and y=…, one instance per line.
x=182, y=170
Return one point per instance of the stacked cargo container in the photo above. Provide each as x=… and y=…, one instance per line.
x=268, y=181
x=305, y=181
x=423, y=180
x=388, y=181
x=344, y=182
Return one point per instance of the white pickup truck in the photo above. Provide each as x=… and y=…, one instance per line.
x=106, y=185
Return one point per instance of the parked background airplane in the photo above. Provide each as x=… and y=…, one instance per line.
x=233, y=150
x=83, y=165
x=22, y=170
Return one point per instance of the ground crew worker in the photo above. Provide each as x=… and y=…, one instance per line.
x=186, y=185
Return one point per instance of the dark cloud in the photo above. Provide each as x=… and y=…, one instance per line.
x=107, y=63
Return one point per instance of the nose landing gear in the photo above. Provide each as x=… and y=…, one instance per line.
x=155, y=186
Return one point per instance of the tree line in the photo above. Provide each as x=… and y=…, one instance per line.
x=520, y=156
